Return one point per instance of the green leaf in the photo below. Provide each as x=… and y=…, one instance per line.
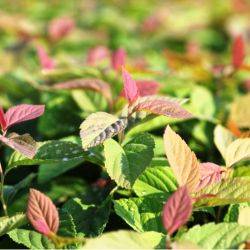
x=202, y=103
x=155, y=180
x=142, y=214
x=49, y=171
x=9, y=223
x=89, y=219
x=125, y=164
x=49, y=152
x=31, y=239
x=241, y=171
x=237, y=151
x=233, y=212
x=218, y=236
x=222, y=138
x=229, y=191
x=127, y=239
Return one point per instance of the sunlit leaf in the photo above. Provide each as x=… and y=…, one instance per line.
x=237, y=151
x=238, y=51
x=100, y=126
x=182, y=160
x=222, y=138
x=244, y=216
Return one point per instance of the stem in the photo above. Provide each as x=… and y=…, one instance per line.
x=4, y=205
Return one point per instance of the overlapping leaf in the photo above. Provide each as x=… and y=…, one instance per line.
x=228, y=191
x=237, y=151
x=21, y=143
x=125, y=164
x=177, y=210
x=42, y=213
x=182, y=160
x=222, y=138
x=218, y=236
x=100, y=126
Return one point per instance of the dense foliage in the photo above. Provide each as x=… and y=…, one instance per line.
x=125, y=124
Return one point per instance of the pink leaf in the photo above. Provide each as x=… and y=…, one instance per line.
x=97, y=54
x=145, y=87
x=92, y=84
x=130, y=87
x=238, y=52
x=177, y=210
x=23, y=112
x=2, y=119
x=41, y=226
x=42, y=213
x=210, y=173
x=161, y=105
x=118, y=59
x=46, y=62
x=60, y=27
x=24, y=144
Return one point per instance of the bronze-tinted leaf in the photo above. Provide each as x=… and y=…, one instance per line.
x=182, y=160
x=24, y=144
x=42, y=213
x=160, y=105
x=100, y=126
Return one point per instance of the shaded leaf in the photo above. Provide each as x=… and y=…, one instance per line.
x=177, y=210
x=237, y=151
x=182, y=160
x=42, y=213
x=100, y=126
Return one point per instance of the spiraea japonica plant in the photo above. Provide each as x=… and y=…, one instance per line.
x=136, y=131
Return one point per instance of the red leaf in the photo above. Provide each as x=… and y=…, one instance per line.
x=238, y=52
x=161, y=105
x=42, y=213
x=118, y=59
x=130, y=87
x=97, y=54
x=92, y=84
x=2, y=119
x=23, y=112
x=46, y=62
x=60, y=27
x=210, y=173
x=177, y=210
